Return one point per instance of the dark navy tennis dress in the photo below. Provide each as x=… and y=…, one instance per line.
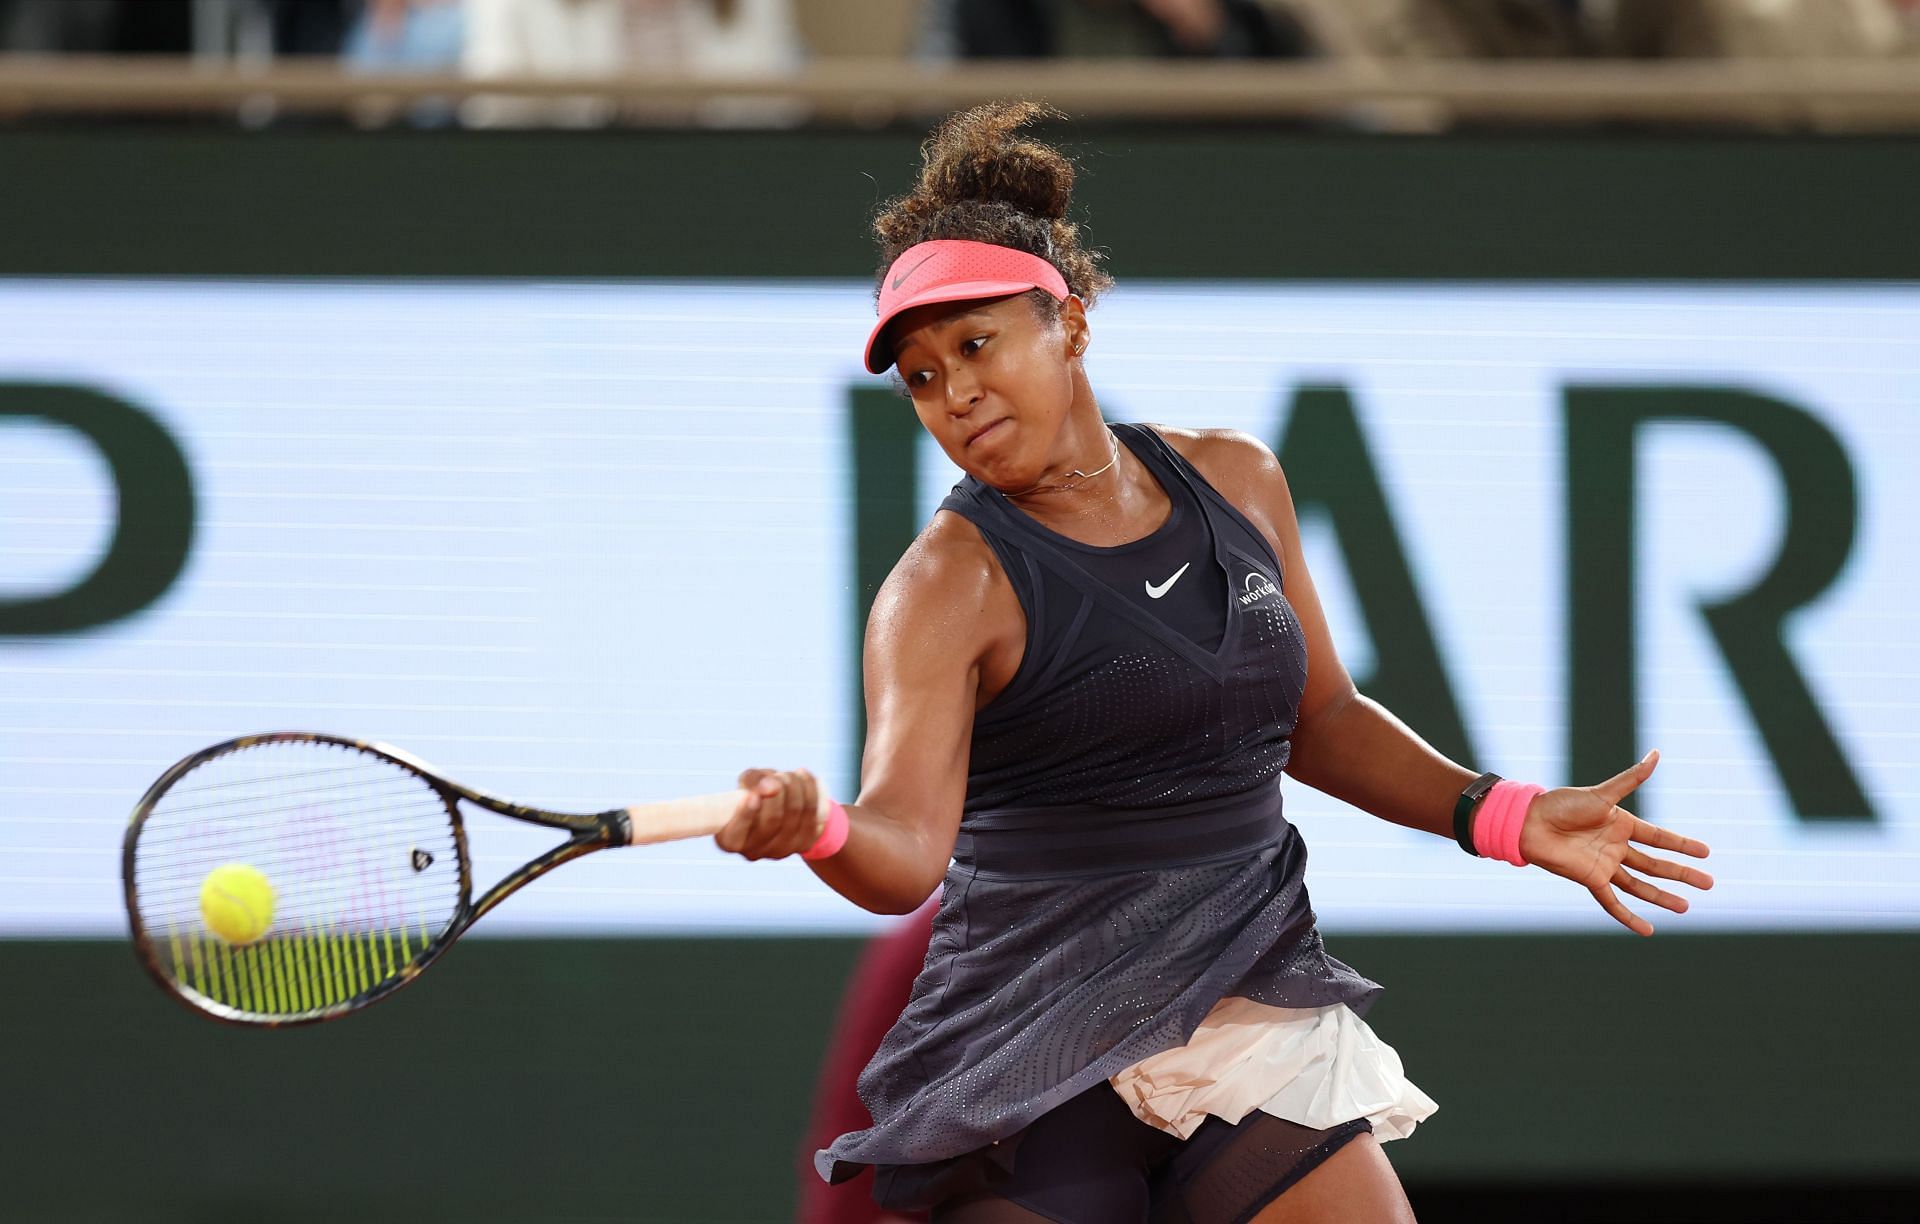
x=1123, y=863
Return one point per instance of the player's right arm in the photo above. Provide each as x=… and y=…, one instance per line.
x=946, y=630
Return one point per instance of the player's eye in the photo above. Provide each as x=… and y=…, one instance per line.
x=920, y=378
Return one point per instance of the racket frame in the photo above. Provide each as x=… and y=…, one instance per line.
x=589, y=832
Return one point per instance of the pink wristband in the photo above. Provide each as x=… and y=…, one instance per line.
x=1496, y=826
x=832, y=837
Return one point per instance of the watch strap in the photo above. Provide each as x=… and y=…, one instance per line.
x=1464, y=806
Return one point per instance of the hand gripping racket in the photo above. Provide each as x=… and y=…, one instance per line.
x=345, y=865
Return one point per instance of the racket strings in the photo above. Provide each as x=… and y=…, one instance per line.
x=401, y=783
x=372, y=813
x=202, y=785
x=360, y=854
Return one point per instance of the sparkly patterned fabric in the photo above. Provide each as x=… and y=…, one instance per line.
x=1116, y=701
x=1123, y=862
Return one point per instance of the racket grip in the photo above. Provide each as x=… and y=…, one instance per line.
x=705, y=815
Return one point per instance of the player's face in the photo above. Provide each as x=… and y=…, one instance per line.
x=991, y=380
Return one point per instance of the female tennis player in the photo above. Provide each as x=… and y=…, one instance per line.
x=1083, y=682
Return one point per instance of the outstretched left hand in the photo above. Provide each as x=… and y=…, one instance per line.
x=1581, y=833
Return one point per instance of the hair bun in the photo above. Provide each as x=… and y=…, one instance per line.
x=976, y=156
x=981, y=182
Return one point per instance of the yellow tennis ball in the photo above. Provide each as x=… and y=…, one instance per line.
x=237, y=903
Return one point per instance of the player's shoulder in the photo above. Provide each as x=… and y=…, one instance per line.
x=949, y=566
x=1230, y=459
x=1242, y=469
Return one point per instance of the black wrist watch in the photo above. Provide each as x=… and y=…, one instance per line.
x=1463, y=810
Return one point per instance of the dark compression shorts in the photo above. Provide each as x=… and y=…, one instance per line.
x=1090, y=1161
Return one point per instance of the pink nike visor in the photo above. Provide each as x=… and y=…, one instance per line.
x=949, y=270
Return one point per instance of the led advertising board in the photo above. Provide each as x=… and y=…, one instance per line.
x=592, y=544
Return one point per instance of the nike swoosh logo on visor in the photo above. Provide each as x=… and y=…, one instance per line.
x=1155, y=592
x=903, y=277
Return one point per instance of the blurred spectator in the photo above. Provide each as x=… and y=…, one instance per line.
x=72, y=26
x=154, y=27
x=853, y=29
x=1769, y=29
x=1538, y=29
x=406, y=36
x=1035, y=29
x=97, y=27
x=563, y=38
x=310, y=27
x=1444, y=29
x=1772, y=30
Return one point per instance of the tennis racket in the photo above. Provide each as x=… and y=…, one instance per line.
x=352, y=858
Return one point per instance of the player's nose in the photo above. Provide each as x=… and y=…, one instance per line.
x=963, y=391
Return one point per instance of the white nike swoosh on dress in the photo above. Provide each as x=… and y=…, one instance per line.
x=1155, y=592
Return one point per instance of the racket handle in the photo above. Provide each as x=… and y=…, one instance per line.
x=705, y=815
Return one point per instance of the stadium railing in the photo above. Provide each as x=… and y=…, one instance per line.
x=1820, y=95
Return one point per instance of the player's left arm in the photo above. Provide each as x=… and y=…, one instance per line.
x=1349, y=746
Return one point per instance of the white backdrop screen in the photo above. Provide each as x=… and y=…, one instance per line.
x=590, y=544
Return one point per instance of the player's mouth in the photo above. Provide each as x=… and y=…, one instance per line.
x=986, y=431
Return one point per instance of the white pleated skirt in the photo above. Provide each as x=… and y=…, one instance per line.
x=1316, y=1066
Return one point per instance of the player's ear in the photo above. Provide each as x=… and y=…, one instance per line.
x=1073, y=325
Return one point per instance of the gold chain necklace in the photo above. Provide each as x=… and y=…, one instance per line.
x=1083, y=476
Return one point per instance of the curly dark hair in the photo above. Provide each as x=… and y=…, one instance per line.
x=979, y=180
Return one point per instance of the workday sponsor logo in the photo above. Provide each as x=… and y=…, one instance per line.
x=1257, y=586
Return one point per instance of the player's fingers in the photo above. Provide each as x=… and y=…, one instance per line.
x=806, y=821
x=1624, y=783
x=732, y=837
x=776, y=817
x=737, y=836
x=1666, y=839
x=799, y=795
x=1634, y=886
x=1621, y=914
x=788, y=827
x=776, y=830
x=772, y=818
x=1646, y=864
